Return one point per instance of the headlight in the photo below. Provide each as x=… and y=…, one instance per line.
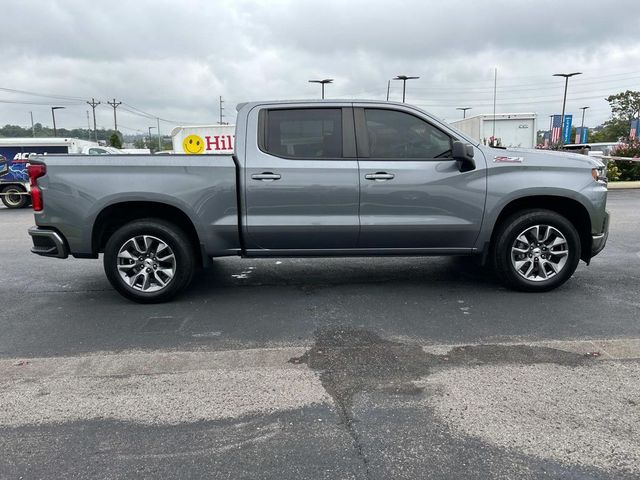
x=599, y=174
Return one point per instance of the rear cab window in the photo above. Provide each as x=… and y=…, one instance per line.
x=302, y=132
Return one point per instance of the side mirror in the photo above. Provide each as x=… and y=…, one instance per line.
x=462, y=153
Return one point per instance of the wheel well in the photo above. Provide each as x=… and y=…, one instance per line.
x=571, y=209
x=115, y=216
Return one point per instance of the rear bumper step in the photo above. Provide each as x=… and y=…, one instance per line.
x=48, y=243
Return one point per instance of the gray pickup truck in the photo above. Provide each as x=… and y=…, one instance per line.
x=322, y=178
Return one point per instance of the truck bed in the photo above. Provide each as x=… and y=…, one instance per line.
x=78, y=188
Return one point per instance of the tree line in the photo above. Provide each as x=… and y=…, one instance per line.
x=108, y=136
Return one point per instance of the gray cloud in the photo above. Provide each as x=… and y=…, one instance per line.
x=174, y=58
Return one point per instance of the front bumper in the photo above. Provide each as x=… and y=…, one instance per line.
x=48, y=243
x=600, y=240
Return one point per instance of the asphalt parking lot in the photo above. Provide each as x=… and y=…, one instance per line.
x=321, y=368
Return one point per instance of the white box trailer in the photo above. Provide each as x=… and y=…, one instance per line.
x=511, y=129
x=204, y=139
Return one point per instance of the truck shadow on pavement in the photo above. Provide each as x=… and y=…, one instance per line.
x=310, y=274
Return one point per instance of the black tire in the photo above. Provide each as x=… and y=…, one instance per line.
x=542, y=277
x=13, y=197
x=183, y=263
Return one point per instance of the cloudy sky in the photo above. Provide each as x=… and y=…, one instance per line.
x=174, y=58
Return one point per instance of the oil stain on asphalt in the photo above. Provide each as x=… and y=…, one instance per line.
x=353, y=360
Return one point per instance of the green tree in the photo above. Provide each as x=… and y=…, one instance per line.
x=611, y=131
x=114, y=140
x=625, y=105
x=139, y=143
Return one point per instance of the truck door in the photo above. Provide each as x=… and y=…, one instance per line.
x=412, y=195
x=301, y=179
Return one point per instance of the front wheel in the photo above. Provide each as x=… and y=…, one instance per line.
x=14, y=197
x=149, y=261
x=536, y=250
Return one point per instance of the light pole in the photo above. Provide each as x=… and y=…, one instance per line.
x=53, y=114
x=464, y=111
x=323, y=83
x=404, y=79
x=582, y=126
x=550, y=130
x=564, y=101
x=149, y=144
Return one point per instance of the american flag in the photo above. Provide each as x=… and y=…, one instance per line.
x=556, y=129
x=634, y=129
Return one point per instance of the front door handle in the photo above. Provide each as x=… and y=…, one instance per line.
x=266, y=176
x=380, y=176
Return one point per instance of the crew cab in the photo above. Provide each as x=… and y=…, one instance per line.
x=322, y=178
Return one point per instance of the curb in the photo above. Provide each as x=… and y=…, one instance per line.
x=623, y=185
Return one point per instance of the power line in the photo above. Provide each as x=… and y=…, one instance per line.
x=25, y=102
x=25, y=92
x=136, y=111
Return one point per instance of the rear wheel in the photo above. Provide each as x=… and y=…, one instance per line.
x=536, y=250
x=149, y=261
x=13, y=197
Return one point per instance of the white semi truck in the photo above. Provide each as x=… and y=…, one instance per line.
x=511, y=129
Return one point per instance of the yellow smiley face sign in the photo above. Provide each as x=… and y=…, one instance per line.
x=193, y=144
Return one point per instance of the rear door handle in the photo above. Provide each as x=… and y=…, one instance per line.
x=380, y=176
x=266, y=176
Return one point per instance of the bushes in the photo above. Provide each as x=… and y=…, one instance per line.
x=613, y=172
x=626, y=171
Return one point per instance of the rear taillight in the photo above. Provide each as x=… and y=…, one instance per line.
x=36, y=170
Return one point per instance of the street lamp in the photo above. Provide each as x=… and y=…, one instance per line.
x=564, y=102
x=404, y=79
x=53, y=114
x=322, y=82
x=582, y=126
x=149, y=144
x=464, y=111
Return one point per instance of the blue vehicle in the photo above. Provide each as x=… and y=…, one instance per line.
x=14, y=156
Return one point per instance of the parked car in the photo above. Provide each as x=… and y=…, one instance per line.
x=323, y=178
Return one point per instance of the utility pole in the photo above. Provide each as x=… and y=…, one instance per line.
x=388, y=86
x=221, y=110
x=114, y=104
x=93, y=105
x=33, y=128
x=88, y=126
